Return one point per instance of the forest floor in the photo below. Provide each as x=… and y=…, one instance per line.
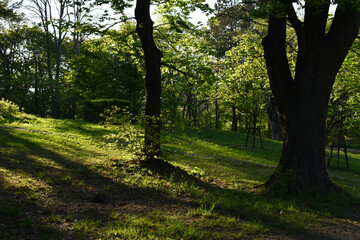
x=64, y=179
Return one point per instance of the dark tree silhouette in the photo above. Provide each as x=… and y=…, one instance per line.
x=152, y=57
x=302, y=100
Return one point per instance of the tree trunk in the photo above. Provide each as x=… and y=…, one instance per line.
x=274, y=120
x=56, y=101
x=302, y=162
x=254, y=118
x=8, y=78
x=36, y=112
x=152, y=56
x=302, y=101
x=217, y=116
x=6, y=64
x=234, y=125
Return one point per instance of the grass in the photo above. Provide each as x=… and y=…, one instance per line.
x=60, y=179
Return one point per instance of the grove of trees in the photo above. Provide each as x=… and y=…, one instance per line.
x=255, y=64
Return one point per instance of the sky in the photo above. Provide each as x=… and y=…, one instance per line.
x=199, y=16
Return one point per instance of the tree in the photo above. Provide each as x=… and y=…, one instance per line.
x=187, y=78
x=106, y=69
x=7, y=10
x=343, y=117
x=246, y=78
x=232, y=19
x=55, y=27
x=152, y=59
x=174, y=12
x=11, y=29
x=302, y=96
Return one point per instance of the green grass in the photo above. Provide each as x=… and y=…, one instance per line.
x=60, y=179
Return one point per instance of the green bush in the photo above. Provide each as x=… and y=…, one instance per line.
x=92, y=109
x=7, y=107
x=127, y=134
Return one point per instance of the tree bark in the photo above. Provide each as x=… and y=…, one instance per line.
x=36, y=96
x=7, y=55
x=152, y=57
x=274, y=120
x=302, y=101
x=254, y=118
x=217, y=116
x=234, y=124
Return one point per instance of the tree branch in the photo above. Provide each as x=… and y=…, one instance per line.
x=316, y=16
x=296, y=24
x=343, y=31
x=186, y=74
x=280, y=77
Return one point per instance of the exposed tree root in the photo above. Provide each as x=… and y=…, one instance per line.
x=282, y=183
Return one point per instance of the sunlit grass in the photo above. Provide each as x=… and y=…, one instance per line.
x=220, y=144
x=65, y=181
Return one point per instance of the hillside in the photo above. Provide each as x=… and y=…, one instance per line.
x=67, y=179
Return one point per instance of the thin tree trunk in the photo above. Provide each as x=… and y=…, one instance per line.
x=8, y=81
x=234, y=125
x=152, y=56
x=217, y=117
x=36, y=88
x=254, y=127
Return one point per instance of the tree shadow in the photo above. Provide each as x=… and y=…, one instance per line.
x=255, y=207
x=82, y=192
x=251, y=213
x=72, y=188
x=80, y=127
x=208, y=139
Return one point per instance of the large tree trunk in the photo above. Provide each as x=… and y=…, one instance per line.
x=152, y=56
x=302, y=101
x=303, y=126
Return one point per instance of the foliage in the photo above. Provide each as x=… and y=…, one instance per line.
x=92, y=109
x=8, y=10
x=8, y=108
x=188, y=79
x=127, y=134
x=106, y=69
x=247, y=82
x=232, y=18
x=244, y=82
x=343, y=116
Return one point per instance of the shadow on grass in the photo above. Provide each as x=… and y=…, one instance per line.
x=283, y=215
x=78, y=191
x=254, y=207
x=81, y=127
x=21, y=218
x=74, y=189
x=222, y=144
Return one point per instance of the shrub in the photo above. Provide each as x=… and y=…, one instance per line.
x=7, y=107
x=92, y=109
x=127, y=134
